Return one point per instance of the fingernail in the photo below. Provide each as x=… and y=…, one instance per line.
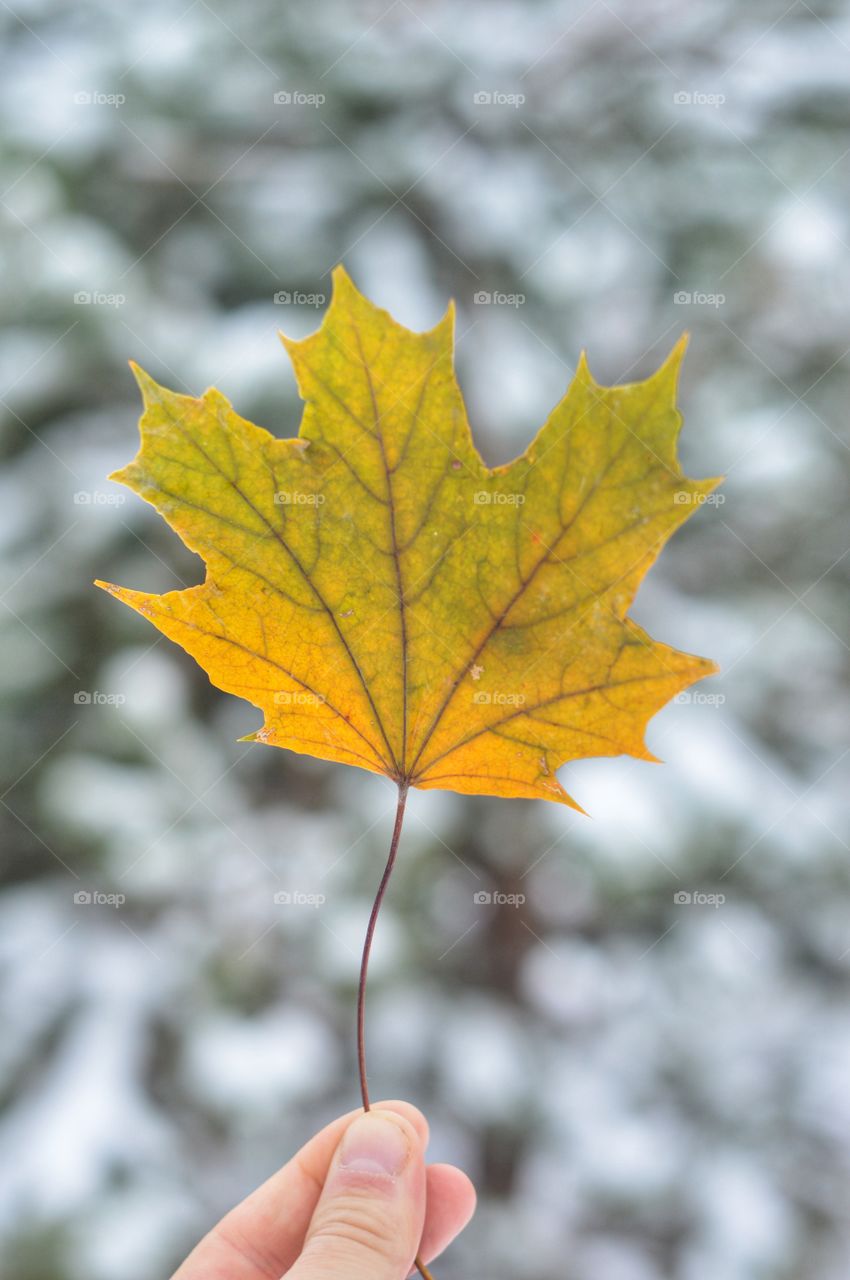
x=374, y=1144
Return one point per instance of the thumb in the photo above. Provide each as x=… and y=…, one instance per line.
x=368, y=1222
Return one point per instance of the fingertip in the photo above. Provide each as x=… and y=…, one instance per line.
x=381, y=1143
x=450, y=1186
x=451, y=1200
x=409, y=1113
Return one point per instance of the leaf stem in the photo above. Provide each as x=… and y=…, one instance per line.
x=364, y=968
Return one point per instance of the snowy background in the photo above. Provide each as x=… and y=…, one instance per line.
x=641, y=1088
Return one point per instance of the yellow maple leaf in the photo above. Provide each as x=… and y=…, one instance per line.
x=389, y=601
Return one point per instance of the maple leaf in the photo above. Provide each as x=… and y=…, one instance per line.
x=390, y=602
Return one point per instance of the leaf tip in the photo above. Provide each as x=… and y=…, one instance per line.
x=119, y=593
x=124, y=475
x=583, y=373
x=149, y=388
x=553, y=790
x=703, y=668
x=567, y=799
x=449, y=319
x=263, y=734
x=668, y=371
x=343, y=286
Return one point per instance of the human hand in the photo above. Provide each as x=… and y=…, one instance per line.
x=356, y=1203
